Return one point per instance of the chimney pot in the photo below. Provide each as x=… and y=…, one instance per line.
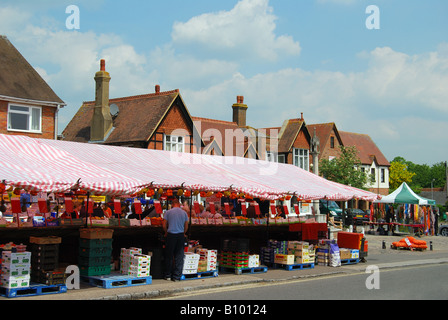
x=103, y=65
x=157, y=88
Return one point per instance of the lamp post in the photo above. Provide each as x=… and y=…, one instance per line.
x=432, y=192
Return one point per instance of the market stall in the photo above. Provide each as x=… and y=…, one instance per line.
x=72, y=171
x=414, y=214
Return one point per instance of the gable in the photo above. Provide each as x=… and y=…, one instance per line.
x=18, y=79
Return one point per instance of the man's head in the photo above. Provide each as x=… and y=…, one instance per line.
x=175, y=203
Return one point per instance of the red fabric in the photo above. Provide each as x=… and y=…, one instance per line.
x=309, y=230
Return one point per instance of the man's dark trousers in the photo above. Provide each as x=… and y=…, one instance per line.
x=174, y=250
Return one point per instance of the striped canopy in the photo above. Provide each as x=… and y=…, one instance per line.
x=58, y=166
x=404, y=194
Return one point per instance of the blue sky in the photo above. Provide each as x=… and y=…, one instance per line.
x=284, y=56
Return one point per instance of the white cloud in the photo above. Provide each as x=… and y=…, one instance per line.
x=247, y=31
x=396, y=93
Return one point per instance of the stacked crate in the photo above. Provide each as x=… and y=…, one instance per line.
x=231, y=259
x=323, y=252
x=274, y=247
x=303, y=252
x=95, y=252
x=15, y=269
x=45, y=261
x=134, y=263
x=207, y=259
x=191, y=263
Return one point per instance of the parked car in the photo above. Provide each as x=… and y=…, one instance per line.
x=443, y=230
x=354, y=216
x=332, y=208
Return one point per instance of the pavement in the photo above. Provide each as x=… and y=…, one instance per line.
x=383, y=258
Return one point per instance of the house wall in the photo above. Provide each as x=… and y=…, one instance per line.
x=174, y=123
x=48, y=125
x=301, y=142
x=327, y=152
x=378, y=186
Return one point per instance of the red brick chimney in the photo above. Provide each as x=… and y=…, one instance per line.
x=239, y=111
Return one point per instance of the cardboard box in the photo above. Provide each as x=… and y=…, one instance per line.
x=354, y=254
x=10, y=258
x=345, y=253
x=300, y=245
x=16, y=269
x=284, y=259
x=15, y=282
x=302, y=260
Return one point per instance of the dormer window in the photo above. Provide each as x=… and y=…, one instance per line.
x=24, y=118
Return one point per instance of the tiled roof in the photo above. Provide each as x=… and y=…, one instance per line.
x=368, y=150
x=137, y=119
x=18, y=79
x=217, y=129
x=323, y=132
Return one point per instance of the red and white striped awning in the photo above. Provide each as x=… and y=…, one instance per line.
x=56, y=166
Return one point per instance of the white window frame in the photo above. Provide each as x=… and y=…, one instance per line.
x=174, y=141
x=271, y=156
x=30, y=117
x=301, y=158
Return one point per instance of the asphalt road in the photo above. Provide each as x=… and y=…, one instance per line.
x=419, y=282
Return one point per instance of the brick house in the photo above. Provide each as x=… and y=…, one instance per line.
x=158, y=120
x=372, y=160
x=293, y=145
x=232, y=138
x=28, y=106
x=329, y=138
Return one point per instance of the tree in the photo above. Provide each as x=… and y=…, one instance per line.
x=425, y=176
x=398, y=173
x=344, y=169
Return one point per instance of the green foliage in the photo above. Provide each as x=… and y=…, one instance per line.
x=398, y=173
x=344, y=169
x=424, y=174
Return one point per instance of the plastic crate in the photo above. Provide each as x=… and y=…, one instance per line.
x=95, y=243
x=94, y=261
x=95, y=252
x=95, y=270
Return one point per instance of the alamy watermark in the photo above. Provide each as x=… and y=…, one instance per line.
x=373, y=20
x=373, y=280
x=73, y=21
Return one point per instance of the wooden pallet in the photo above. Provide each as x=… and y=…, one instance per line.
x=238, y=270
x=35, y=289
x=200, y=275
x=116, y=280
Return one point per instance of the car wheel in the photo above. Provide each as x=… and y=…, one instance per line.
x=444, y=232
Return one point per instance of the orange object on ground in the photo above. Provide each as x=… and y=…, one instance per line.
x=411, y=243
